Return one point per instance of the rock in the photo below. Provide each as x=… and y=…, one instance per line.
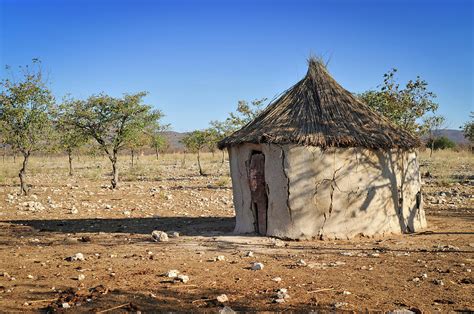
x=279, y=300
x=219, y=258
x=257, y=266
x=276, y=279
x=282, y=294
x=81, y=277
x=159, y=236
x=401, y=311
x=438, y=282
x=173, y=234
x=226, y=310
x=222, y=298
x=30, y=277
x=346, y=292
x=127, y=212
x=416, y=279
x=249, y=254
x=340, y=304
x=301, y=263
x=424, y=276
x=65, y=305
x=73, y=211
x=75, y=257
x=183, y=278
x=173, y=273
x=278, y=243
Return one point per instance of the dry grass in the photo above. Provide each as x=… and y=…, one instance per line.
x=448, y=166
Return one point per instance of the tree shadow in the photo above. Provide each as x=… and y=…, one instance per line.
x=188, y=226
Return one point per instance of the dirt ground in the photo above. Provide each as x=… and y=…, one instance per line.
x=123, y=268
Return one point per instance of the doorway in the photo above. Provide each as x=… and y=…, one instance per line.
x=258, y=191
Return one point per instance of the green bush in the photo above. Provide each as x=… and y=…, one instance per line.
x=441, y=143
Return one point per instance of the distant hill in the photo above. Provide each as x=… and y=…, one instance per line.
x=174, y=139
x=456, y=136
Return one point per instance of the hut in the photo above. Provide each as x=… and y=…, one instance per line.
x=319, y=163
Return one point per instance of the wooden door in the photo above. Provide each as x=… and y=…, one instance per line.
x=258, y=191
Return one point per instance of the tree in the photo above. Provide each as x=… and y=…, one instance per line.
x=113, y=122
x=429, y=126
x=135, y=142
x=159, y=143
x=468, y=128
x=25, y=115
x=441, y=143
x=195, y=142
x=403, y=106
x=70, y=137
x=244, y=114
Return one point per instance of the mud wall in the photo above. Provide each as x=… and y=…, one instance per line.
x=332, y=193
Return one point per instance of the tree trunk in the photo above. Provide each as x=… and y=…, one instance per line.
x=14, y=158
x=157, y=153
x=432, y=147
x=69, y=156
x=115, y=173
x=22, y=174
x=223, y=157
x=132, y=152
x=199, y=164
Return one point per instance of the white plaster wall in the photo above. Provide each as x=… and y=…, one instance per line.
x=333, y=193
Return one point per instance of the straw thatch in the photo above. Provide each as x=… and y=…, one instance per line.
x=317, y=111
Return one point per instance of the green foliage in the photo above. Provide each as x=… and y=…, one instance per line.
x=25, y=111
x=403, y=106
x=113, y=122
x=468, y=128
x=245, y=113
x=69, y=136
x=158, y=141
x=196, y=141
x=441, y=143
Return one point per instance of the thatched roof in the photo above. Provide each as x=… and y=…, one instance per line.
x=317, y=111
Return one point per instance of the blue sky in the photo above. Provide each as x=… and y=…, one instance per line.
x=198, y=58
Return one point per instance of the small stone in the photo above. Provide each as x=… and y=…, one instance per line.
x=183, y=278
x=127, y=212
x=65, y=305
x=279, y=300
x=159, y=236
x=76, y=257
x=30, y=277
x=226, y=310
x=278, y=243
x=416, y=279
x=346, y=292
x=424, y=276
x=282, y=294
x=173, y=273
x=220, y=258
x=340, y=304
x=249, y=254
x=81, y=277
x=222, y=298
x=173, y=234
x=276, y=279
x=438, y=282
x=257, y=266
x=301, y=263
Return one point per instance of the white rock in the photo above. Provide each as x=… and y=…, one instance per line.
x=222, y=298
x=257, y=266
x=159, y=236
x=346, y=292
x=30, y=277
x=220, y=258
x=65, y=305
x=301, y=263
x=282, y=294
x=76, y=257
x=173, y=234
x=173, y=273
x=249, y=254
x=81, y=277
x=183, y=278
x=276, y=279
